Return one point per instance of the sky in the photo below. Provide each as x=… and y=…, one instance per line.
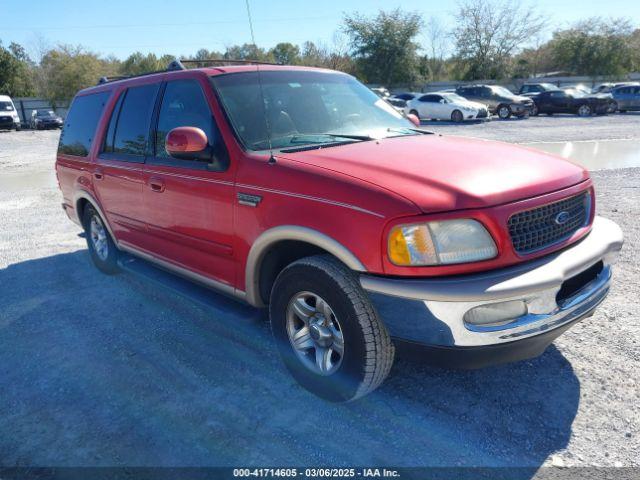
x=181, y=27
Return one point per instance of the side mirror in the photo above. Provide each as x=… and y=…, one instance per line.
x=414, y=119
x=188, y=143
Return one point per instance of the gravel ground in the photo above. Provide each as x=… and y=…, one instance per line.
x=557, y=128
x=114, y=371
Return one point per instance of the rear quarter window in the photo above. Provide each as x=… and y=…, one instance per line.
x=80, y=126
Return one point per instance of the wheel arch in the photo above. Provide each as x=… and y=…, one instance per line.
x=81, y=199
x=283, y=244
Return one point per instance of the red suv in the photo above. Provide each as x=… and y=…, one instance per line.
x=301, y=190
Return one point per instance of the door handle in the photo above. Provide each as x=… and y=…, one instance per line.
x=157, y=185
x=98, y=174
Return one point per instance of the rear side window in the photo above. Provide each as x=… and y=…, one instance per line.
x=129, y=125
x=81, y=124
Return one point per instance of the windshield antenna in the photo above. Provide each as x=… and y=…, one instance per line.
x=272, y=159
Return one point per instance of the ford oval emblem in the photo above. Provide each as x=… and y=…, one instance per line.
x=561, y=218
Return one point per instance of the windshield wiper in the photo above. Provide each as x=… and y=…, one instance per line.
x=417, y=130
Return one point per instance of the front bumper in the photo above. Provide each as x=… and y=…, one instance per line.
x=431, y=311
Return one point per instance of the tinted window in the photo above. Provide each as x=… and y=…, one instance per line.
x=108, y=140
x=132, y=123
x=429, y=98
x=6, y=106
x=81, y=123
x=183, y=105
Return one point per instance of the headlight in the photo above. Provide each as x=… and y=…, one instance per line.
x=436, y=243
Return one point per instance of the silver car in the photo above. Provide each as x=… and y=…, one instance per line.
x=627, y=97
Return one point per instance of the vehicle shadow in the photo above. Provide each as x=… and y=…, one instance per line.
x=141, y=369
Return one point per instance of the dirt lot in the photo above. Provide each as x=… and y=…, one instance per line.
x=544, y=128
x=122, y=370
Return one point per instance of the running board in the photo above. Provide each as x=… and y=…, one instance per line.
x=159, y=277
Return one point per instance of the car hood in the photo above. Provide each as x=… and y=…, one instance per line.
x=471, y=104
x=448, y=173
x=520, y=99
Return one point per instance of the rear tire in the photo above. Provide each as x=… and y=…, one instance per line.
x=343, y=349
x=102, y=249
x=456, y=116
x=534, y=110
x=415, y=112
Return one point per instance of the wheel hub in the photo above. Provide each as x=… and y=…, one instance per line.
x=320, y=334
x=315, y=333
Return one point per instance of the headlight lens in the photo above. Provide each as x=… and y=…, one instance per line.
x=440, y=243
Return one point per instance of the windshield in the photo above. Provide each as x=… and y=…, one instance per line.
x=502, y=91
x=305, y=107
x=453, y=97
x=4, y=106
x=45, y=113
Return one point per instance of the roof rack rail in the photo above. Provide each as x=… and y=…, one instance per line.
x=110, y=79
x=177, y=65
x=228, y=60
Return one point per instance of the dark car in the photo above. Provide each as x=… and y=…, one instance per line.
x=498, y=99
x=571, y=101
x=533, y=89
x=627, y=97
x=43, y=119
x=406, y=96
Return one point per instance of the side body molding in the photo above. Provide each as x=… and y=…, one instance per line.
x=290, y=232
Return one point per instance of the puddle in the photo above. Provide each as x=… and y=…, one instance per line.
x=597, y=154
x=19, y=182
x=594, y=155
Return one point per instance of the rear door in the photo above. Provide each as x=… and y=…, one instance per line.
x=188, y=204
x=118, y=174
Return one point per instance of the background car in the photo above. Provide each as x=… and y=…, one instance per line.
x=627, y=97
x=583, y=89
x=399, y=104
x=43, y=119
x=406, y=96
x=532, y=89
x=381, y=92
x=8, y=115
x=608, y=86
x=446, y=106
x=571, y=101
x=498, y=99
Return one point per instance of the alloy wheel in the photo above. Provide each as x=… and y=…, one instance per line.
x=99, y=238
x=315, y=333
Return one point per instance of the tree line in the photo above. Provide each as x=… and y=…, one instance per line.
x=494, y=39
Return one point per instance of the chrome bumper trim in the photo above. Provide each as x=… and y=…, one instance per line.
x=536, y=283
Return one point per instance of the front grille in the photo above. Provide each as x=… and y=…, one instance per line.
x=544, y=226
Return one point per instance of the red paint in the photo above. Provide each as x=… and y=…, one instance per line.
x=353, y=193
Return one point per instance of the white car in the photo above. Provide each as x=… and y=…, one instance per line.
x=446, y=106
x=8, y=115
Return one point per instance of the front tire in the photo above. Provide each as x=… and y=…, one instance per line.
x=327, y=331
x=585, y=111
x=102, y=249
x=456, y=116
x=612, y=107
x=534, y=110
x=504, y=112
